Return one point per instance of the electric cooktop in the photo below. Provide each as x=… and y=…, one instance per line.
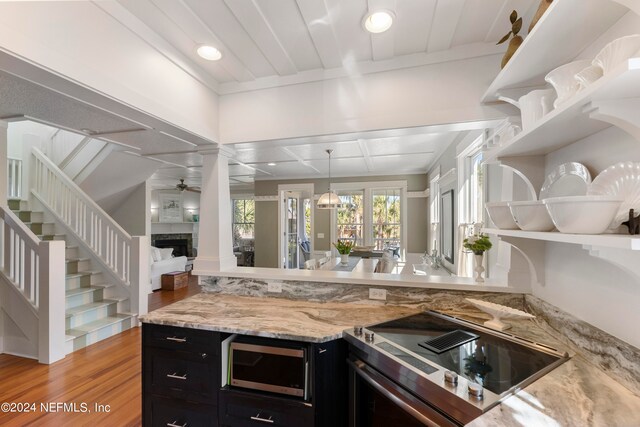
x=458, y=367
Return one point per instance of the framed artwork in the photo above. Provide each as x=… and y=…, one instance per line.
x=170, y=207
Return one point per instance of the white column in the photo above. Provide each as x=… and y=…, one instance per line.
x=4, y=129
x=215, y=244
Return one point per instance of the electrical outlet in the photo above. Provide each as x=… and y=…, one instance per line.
x=320, y=235
x=275, y=288
x=379, y=294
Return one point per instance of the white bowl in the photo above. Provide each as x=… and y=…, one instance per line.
x=589, y=75
x=534, y=105
x=531, y=215
x=582, y=214
x=563, y=80
x=500, y=215
x=616, y=52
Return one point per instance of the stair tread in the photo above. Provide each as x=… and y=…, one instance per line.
x=82, y=274
x=68, y=260
x=87, y=328
x=89, y=306
x=82, y=290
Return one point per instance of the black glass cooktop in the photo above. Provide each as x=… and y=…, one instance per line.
x=492, y=361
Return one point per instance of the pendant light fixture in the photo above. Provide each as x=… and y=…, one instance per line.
x=329, y=200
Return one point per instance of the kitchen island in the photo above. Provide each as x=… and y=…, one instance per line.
x=576, y=393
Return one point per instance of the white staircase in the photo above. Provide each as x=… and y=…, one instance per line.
x=93, y=309
x=70, y=276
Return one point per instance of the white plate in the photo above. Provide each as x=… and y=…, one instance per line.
x=622, y=180
x=567, y=179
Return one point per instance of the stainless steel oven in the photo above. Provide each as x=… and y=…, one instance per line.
x=272, y=368
x=376, y=401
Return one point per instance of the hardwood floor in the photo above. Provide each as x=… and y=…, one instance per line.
x=106, y=373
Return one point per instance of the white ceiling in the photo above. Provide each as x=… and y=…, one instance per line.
x=394, y=152
x=267, y=43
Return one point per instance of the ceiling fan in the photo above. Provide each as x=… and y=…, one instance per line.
x=182, y=186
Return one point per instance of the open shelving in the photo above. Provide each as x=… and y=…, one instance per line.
x=573, y=120
x=565, y=30
x=614, y=241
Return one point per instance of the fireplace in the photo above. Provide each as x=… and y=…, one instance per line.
x=181, y=243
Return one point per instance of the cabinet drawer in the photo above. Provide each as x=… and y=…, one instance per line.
x=183, y=375
x=181, y=339
x=240, y=409
x=163, y=412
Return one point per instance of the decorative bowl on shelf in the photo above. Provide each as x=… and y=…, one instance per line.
x=534, y=105
x=564, y=82
x=500, y=215
x=566, y=179
x=583, y=214
x=531, y=215
x=499, y=312
x=623, y=181
x=589, y=75
x=617, y=52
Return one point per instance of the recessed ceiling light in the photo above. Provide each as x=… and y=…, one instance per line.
x=271, y=164
x=378, y=22
x=209, y=53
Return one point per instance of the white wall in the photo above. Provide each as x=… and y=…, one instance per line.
x=430, y=94
x=84, y=43
x=134, y=213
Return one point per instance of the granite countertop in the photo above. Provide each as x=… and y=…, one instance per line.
x=577, y=393
x=272, y=317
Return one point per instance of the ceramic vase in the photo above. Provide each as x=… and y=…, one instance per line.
x=344, y=259
x=514, y=44
x=479, y=267
x=544, y=5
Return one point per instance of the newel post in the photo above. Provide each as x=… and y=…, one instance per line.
x=51, y=302
x=140, y=284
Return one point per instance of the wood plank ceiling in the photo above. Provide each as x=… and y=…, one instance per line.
x=267, y=43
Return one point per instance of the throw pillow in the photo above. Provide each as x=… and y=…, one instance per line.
x=155, y=253
x=166, y=253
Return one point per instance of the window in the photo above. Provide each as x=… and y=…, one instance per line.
x=350, y=220
x=476, y=187
x=386, y=218
x=472, y=188
x=244, y=219
x=374, y=214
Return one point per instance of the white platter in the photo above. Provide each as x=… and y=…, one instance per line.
x=621, y=180
x=499, y=312
x=567, y=179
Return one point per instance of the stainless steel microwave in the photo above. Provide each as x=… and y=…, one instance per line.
x=272, y=368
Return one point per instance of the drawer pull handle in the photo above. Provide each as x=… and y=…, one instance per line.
x=322, y=350
x=176, y=339
x=175, y=424
x=175, y=376
x=262, y=420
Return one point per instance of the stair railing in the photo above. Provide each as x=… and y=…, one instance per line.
x=125, y=256
x=34, y=270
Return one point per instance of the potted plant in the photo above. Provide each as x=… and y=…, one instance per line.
x=478, y=244
x=516, y=41
x=344, y=249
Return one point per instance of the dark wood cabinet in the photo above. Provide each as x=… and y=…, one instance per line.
x=181, y=379
x=180, y=376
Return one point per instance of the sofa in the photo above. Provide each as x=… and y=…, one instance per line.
x=162, y=261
